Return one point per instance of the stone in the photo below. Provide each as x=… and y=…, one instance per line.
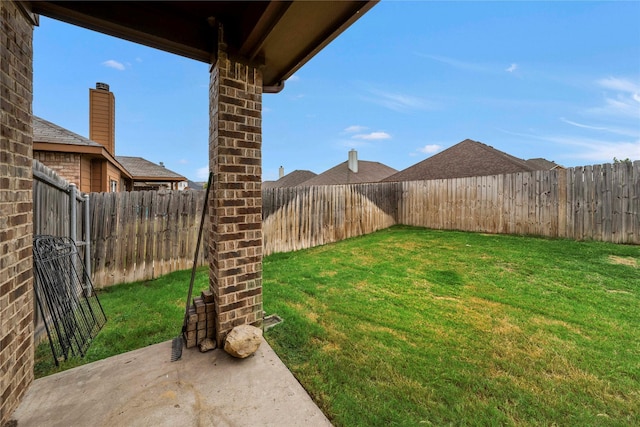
x=243, y=341
x=207, y=344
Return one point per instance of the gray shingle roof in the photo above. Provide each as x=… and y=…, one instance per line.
x=45, y=131
x=465, y=159
x=142, y=168
x=542, y=164
x=340, y=174
x=192, y=185
x=290, y=180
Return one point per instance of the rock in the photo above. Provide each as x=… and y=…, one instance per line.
x=207, y=344
x=243, y=341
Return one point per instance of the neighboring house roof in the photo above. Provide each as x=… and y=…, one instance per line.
x=291, y=179
x=144, y=170
x=192, y=185
x=465, y=159
x=45, y=131
x=48, y=136
x=340, y=174
x=541, y=164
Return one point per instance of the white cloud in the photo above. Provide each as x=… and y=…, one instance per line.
x=610, y=129
x=581, y=125
x=463, y=65
x=183, y=161
x=397, y=101
x=372, y=136
x=601, y=151
x=623, y=103
x=202, y=173
x=621, y=85
x=111, y=63
x=592, y=150
x=512, y=68
x=293, y=78
x=430, y=148
x=355, y=129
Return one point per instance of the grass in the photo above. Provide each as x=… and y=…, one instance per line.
x=409, y=326
x=138, y=314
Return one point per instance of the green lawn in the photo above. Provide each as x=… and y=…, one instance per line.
x=410, y=326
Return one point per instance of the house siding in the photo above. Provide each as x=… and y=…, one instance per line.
x=16, y=207
x=113, y=174
x=85, y=174
x=97, y=167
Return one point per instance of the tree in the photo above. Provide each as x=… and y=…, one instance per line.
x=627, y=161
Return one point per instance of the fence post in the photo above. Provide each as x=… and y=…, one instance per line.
x=562, y=202
x=73, y=213
x=87, y=246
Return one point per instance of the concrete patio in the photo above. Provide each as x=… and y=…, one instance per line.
x=144, y=388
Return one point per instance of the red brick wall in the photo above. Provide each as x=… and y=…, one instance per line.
x=16, y=206
x=66, y=165
x=235, y=205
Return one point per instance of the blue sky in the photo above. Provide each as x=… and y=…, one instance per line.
x=559, y=80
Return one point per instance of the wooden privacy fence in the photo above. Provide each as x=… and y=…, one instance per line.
x=303, y=217
x=599, y=202
x=141, y=235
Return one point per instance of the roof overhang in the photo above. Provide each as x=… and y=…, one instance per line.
x=157, y=179
x=90, y=150
x=279, y=36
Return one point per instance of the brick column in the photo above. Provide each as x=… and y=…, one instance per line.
x=16, y=206
x=235, y=204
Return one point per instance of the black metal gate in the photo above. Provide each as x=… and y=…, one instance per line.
x=69, y=306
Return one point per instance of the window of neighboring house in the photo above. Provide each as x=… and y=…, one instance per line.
x=113, y=185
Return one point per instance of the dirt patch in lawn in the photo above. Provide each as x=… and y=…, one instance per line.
x=623, y=260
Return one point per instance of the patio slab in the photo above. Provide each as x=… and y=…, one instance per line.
x=144, y=388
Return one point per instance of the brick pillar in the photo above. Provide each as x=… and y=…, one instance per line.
x=16, y=205
x=235, y=204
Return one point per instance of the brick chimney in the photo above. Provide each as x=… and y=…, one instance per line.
x=102, y=117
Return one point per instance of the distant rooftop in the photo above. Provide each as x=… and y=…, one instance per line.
x=466, y=159
x=341, y=174
x=142, y=169
x=290, y=180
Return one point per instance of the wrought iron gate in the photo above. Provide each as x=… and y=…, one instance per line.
x=69, y=306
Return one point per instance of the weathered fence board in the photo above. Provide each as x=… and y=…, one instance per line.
x=143, y=235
